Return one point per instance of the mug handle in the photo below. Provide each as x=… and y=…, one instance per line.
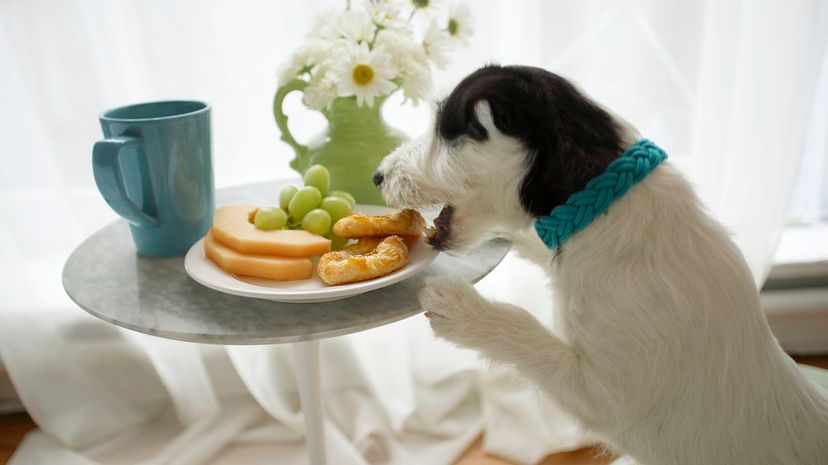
x=110, y=181
x=282, y=122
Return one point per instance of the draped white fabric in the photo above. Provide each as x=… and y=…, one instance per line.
x=725, y=87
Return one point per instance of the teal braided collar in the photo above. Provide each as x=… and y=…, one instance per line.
x=594, y=200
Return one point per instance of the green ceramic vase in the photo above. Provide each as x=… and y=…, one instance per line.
x=351, y=147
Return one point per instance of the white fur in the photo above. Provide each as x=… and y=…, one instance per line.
x=663, y=351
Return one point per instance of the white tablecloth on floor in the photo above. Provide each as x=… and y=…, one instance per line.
x=392, y=395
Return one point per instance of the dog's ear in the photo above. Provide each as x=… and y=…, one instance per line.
x=568, y=138
x=457, y=117
x=483, y=123
x=468, y=109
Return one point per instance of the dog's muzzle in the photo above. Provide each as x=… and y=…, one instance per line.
x=440, y=235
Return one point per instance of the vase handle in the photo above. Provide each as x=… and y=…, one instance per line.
x=298, y=163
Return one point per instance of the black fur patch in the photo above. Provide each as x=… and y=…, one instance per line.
x=569, y=139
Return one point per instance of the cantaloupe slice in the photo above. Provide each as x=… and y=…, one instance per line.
x=256, y=266
x=232, y=227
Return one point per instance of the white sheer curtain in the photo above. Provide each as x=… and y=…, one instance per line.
x=725, y=87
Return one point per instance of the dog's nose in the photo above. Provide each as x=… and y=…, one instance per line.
x=378, y=178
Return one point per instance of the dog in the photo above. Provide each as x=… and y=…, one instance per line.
x=662, y=349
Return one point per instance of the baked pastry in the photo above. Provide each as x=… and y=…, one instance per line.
x=402, y=223
x=368, y=258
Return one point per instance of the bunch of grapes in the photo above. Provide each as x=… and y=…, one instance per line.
x=312, y=207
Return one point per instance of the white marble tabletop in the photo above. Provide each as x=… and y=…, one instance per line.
x=108, y=279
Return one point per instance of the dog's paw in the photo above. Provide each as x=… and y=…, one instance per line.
x=455, y=310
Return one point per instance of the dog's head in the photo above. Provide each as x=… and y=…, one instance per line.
x=508, y=145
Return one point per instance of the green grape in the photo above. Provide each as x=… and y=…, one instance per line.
x=337, y=243
x=270, y=218
x=337, y=207
x=350, y=198
x=318, y=177
x=285, y=195
x=317, y=221
x=305, y=200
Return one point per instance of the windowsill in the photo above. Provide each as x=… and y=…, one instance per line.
x=803, y=243
x=795, y=295
x=801, y=259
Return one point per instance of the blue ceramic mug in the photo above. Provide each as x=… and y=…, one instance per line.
x=154, y=169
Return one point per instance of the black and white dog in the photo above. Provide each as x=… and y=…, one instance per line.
x=663, y=350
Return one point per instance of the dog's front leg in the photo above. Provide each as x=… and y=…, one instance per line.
x=506, y=334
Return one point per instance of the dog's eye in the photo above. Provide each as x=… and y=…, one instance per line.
x=476, y=131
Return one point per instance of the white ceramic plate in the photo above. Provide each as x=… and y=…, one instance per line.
x=207, y=273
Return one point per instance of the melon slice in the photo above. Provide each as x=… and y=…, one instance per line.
x=256, y=266
x=233, y=228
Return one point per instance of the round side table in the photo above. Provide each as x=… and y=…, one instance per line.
x=105, y=277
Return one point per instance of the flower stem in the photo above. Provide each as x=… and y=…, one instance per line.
x=374, y=40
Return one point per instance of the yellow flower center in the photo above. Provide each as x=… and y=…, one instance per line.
x=453, y=27
x=363, y=74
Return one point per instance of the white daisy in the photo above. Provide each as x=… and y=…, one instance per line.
x=402, y=47
x=437, y=44
x=366, y=74
x=459, y=24
x=353, y=26
x=308, y=56
x=416, y=82
x=429, y=7
x=410, y=58
x=320, y=92
x=387, y=14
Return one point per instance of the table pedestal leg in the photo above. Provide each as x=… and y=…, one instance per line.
x=307, y=374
